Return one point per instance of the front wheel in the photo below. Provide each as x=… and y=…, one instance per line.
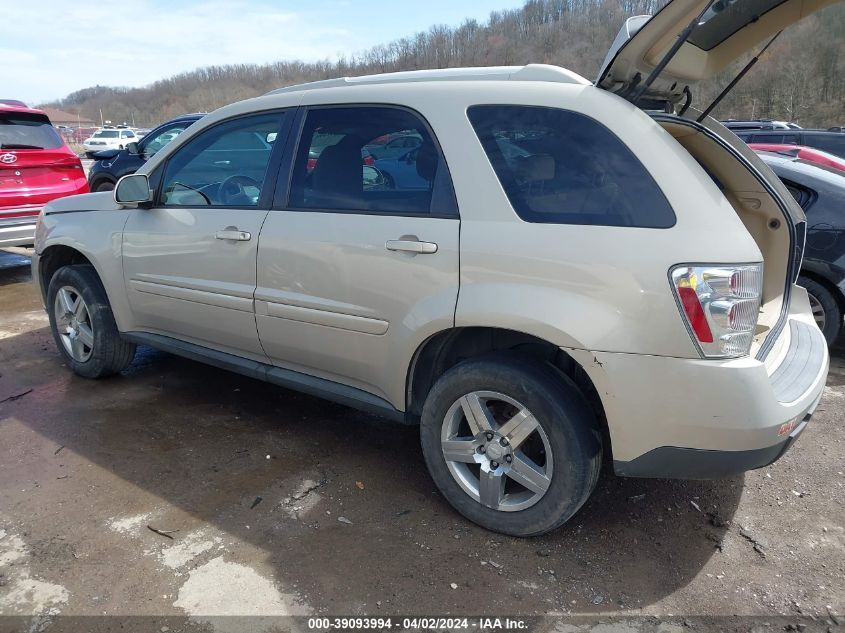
x=825, y=308
x=511, y=443
x=104, y=185
x=83, y=325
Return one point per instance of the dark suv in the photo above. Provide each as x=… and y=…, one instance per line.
x=821, y=193
x=827, y=140
x=113, y=164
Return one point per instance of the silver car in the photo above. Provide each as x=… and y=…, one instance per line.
x=559, y=270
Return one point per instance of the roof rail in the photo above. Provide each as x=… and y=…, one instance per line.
x=531, y=72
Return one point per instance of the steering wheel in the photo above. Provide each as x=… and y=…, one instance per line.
x=233, y=187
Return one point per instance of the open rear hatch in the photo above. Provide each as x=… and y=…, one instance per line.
x=655, y=62
x=657, y=59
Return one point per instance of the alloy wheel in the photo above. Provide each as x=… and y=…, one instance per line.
x=497, y=451
x=818, y=311
x=73, y=323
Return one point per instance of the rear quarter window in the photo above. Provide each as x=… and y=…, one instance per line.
x=562, y=167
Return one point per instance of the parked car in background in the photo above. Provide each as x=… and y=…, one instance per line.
x=821, y=193
x=108, y=138
x=759, y=124
x=825, y=140
x=810, y=154
x=13, y=102
x=111, y=165
x=394, y=145
x=36, y=166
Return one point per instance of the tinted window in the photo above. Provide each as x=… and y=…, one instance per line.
x=223, y=166
x=107, y=134
x=563, y=167
x=801, y=195
x=835, y=143
x=152, y=144
x=724, y=19
x=767, y=138
x=27, y=131
x=343, y=162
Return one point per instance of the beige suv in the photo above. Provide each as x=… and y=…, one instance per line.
x=548, y=271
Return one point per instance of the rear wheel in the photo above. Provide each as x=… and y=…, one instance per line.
x=83, y=325
x=511, y=443
x=825, y=308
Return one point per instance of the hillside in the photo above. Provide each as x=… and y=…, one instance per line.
x=801, y=78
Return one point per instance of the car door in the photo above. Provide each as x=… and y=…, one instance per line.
x=189, y=261
x=355, y=271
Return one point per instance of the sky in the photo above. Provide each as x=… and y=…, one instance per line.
x=50, y=48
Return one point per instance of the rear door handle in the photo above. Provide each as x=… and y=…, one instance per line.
x=234, y=235
x=411, y=246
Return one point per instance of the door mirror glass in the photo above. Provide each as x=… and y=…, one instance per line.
x=133, y=189
x=132, y=148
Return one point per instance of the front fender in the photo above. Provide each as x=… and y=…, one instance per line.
x=95, y=234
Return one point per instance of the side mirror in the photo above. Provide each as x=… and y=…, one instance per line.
x=132, y=148
x=133, y=189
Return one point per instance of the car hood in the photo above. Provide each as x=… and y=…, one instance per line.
x=722, y=31
x=101, y=201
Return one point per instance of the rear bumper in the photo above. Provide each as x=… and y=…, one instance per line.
x=671, y=462
x=703, y=419
x=17, y=226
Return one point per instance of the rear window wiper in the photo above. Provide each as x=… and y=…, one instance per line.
x=19, y=146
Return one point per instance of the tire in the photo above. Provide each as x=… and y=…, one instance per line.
x=825, y=308
x=86, y=333
x=565, y=447
x=104, y=185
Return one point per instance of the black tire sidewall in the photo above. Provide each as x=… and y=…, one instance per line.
x=833, y=314
x=84, y=280
x=564, y=415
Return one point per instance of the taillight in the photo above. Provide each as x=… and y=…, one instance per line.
x=720, y=304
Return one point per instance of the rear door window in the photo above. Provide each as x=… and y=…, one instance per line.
x=23, y=130
x=563, y=167
x=767, y=138
x=370, y=159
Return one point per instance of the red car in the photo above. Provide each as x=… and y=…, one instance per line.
x=36, y=166
x=810, y=154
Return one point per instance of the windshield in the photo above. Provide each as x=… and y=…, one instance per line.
x=106, y=134
x=22, y=130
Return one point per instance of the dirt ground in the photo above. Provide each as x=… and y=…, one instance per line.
x=275, y=503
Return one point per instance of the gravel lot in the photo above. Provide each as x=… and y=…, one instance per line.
x=271, y=502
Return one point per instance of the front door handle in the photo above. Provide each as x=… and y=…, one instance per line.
x=411, y=246
x=233, y=234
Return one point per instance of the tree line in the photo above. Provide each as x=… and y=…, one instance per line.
x=801, y=78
